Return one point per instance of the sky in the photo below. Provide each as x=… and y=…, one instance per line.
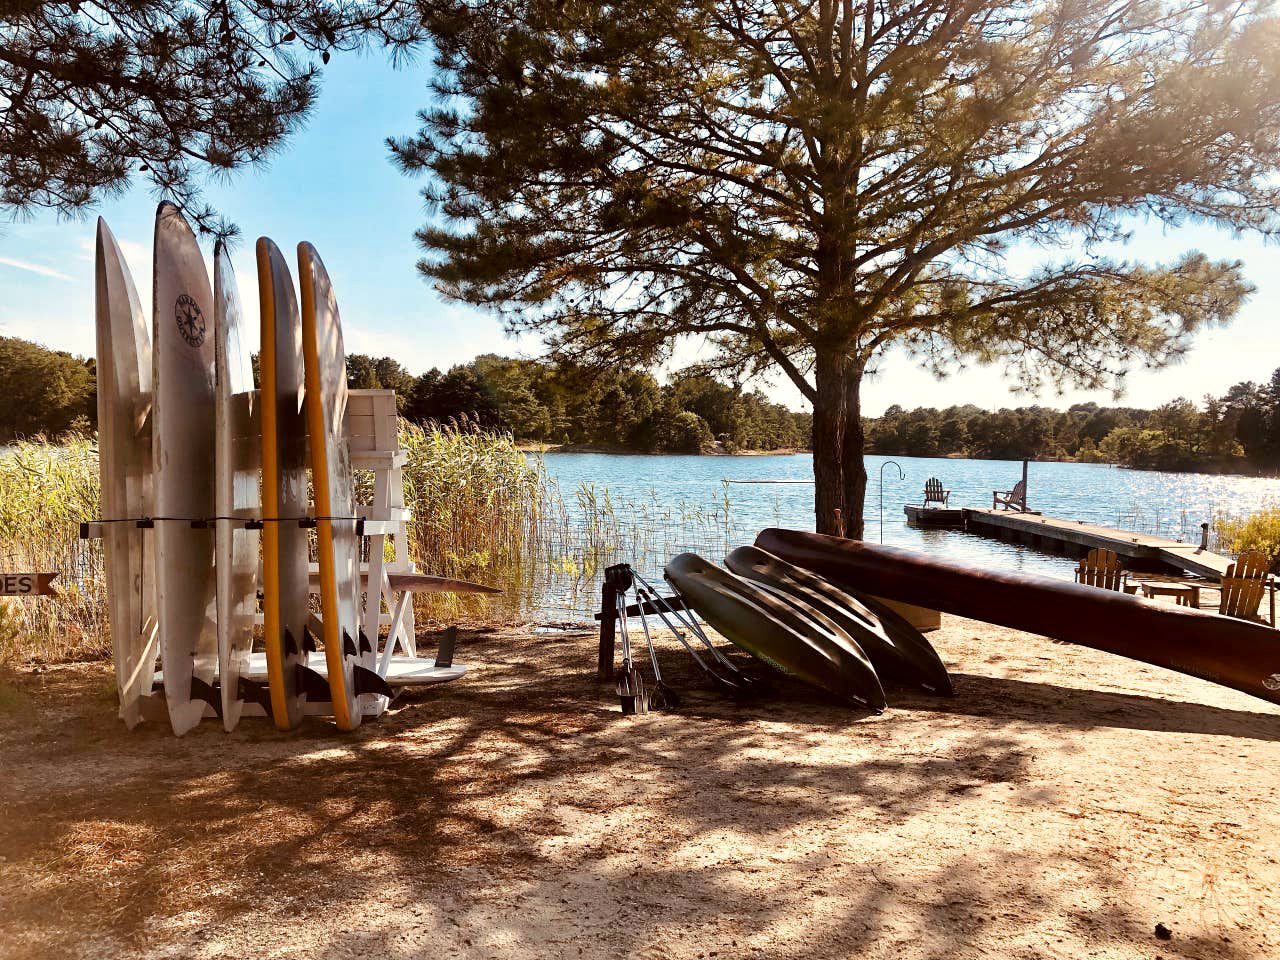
x=333, y=184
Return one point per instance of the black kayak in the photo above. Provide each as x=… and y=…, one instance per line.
x=1224, y=650
x=776, y=632
x=897, y=650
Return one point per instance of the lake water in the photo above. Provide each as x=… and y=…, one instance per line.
x=645, y=509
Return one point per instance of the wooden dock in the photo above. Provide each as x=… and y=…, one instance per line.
x=1075, y=537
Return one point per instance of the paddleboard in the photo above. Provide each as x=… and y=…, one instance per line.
x=776, y=632
x=124, y=456
x=238, y=456
x=325, y=402
x=183, y=460
x=284, y=487
x=900, y=652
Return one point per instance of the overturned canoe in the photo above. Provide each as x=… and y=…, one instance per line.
x=897, y=650
x=1223, y=650
x=777, y=633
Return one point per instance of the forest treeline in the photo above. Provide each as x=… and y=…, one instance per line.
x=604, y=409
x=1238, y=431
x=51, y=392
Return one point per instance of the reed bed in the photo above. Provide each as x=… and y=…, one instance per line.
x=476, y=504
x=46, y=491
x=481, y=510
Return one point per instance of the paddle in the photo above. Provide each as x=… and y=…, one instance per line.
x=661, y=697
x=627, y=681
x=741, y=684
x=729, y=686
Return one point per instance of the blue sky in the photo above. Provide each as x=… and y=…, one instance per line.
x=334, y=186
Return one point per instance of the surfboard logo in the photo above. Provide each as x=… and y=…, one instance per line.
x=1272, y=682
x=190, y=318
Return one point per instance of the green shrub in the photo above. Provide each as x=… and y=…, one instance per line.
x=1258, y=531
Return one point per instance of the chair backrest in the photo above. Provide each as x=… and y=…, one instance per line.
x=1101, y=568
x=1019, y=492
x=933, y=490
x=1243, y=585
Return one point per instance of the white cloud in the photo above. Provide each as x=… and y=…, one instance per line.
x=34, y=268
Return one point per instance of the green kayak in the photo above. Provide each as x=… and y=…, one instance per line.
x=897, y=649
x=779, y=633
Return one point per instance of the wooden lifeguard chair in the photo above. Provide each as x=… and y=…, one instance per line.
x=372, y=424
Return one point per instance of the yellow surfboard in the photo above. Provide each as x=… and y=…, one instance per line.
x=284, y=488
x=337, y=541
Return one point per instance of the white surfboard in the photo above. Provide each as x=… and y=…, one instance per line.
x=183, y=460
x=332, y=482
x=124, y=454
x=285, y=544
x=238, y=457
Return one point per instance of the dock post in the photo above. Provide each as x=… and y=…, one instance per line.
x=1025, y=498
x=1204, y=536
x=608, y=629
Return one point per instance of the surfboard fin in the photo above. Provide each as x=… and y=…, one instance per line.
x=251, y=691
x=207, y=692
x=313, y=685
x=308, y=640
x=367, y=681
x=365, y=645
x=349, y=646
x=290, y=644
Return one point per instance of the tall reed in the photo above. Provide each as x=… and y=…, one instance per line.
x=45, y=492
x=476, y=504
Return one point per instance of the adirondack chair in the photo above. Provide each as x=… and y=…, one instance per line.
x=933, y=492
x=1015, y=499
x=1101, y=568
x=1243, y=586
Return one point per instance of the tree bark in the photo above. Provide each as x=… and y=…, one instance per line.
x=839, y=475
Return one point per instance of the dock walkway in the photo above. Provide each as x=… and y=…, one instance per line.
x=1076, y=536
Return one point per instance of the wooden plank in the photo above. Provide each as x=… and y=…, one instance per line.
x=1132, y=545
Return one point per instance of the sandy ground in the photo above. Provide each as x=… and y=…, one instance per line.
x=1063, y=804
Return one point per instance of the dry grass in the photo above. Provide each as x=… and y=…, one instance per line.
x=46, y=490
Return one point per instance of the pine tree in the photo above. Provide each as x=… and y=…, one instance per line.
x=807, y=183
x=97, y=92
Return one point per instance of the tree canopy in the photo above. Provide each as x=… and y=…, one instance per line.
x=44, y=391
x=807, y=183
x=96, y=92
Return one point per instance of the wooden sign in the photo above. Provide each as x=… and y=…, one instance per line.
x=27, y=584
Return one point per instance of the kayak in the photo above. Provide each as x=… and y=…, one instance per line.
x=897, y=650
x=1234, y=653
x=821, y=655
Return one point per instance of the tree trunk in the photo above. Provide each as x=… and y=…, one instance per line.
x=839, y=475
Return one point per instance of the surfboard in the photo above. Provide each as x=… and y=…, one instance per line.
x=284, y=487
x=238, y=457
x=124, y=456
x=776, y=632
x=183, y=463
x=325, y=403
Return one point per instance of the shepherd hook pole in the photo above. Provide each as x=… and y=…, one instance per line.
x=901, y=476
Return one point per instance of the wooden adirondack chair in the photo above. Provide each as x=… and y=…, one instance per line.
x=1015, y=499
x=933, y=492
x=1243, y=587
x=1101, y=568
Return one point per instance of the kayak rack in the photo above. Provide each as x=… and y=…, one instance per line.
x=608, y=617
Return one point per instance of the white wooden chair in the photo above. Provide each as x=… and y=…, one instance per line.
x=372, y=424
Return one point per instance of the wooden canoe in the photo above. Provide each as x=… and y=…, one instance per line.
x=1222, y=650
